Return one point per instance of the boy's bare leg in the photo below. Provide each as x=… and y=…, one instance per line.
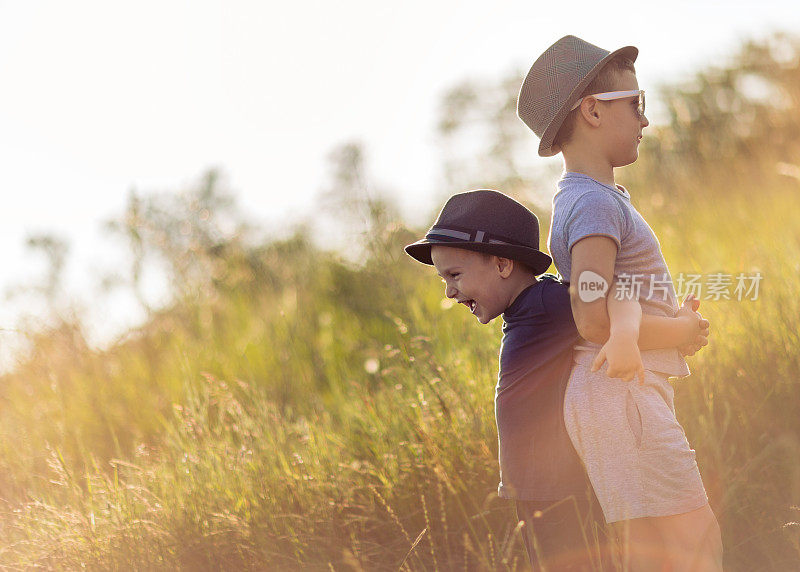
x=641, y=547
x=693, y=540
x=688, y=542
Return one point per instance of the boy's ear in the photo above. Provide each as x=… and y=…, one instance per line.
x=589, y=111
x=505, y=266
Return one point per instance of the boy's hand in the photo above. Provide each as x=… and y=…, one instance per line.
x=624, y=359
x=697, y=327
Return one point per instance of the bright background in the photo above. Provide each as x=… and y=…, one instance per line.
x=100, y=98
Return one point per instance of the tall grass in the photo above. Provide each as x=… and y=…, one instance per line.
x=307, y=413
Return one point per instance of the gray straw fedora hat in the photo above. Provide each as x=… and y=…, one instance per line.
x=555, y=82
x=485, y=221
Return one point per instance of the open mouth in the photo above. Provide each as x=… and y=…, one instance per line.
x=471, y=304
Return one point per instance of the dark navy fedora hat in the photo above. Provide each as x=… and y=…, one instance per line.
x=485, y=221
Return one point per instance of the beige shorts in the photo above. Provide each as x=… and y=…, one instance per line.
x=635, y=451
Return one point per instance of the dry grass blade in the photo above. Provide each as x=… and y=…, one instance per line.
x=413, y=546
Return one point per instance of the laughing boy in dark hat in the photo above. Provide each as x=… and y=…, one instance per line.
x=485, y=246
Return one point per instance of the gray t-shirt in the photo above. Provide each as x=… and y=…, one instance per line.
x=585, y=207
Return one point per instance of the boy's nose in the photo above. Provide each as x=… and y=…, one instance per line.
x=450, y=292
x=645, y=121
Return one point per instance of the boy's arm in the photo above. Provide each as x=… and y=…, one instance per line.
x=627, y=335
x=591, y=274
x=686, y=328
x=593, y=260
x=596, y=255
x=621, y=350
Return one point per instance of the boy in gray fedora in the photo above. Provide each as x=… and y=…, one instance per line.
x=585, y=102
x=485, y=247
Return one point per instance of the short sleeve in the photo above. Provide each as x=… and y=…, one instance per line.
x=595, y=213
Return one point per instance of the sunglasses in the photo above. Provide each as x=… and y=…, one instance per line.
x=609, y=95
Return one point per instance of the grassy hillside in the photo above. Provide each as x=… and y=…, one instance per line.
x=329, y=414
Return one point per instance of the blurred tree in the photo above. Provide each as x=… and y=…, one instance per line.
x=742, y=111
x=129, y=226
x=735, y=124
x=485, y=145
x=190, y=233
x=372, y=236
x=46, y=302
x=361, y=212
x=55, y=250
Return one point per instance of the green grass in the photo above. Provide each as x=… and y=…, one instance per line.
x=316, y=415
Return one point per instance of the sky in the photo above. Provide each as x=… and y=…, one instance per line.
x=102, y=97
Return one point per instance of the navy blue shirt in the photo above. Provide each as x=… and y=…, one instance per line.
x=537, y=459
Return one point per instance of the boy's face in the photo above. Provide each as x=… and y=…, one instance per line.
x=473, y=279
x=623, y=127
